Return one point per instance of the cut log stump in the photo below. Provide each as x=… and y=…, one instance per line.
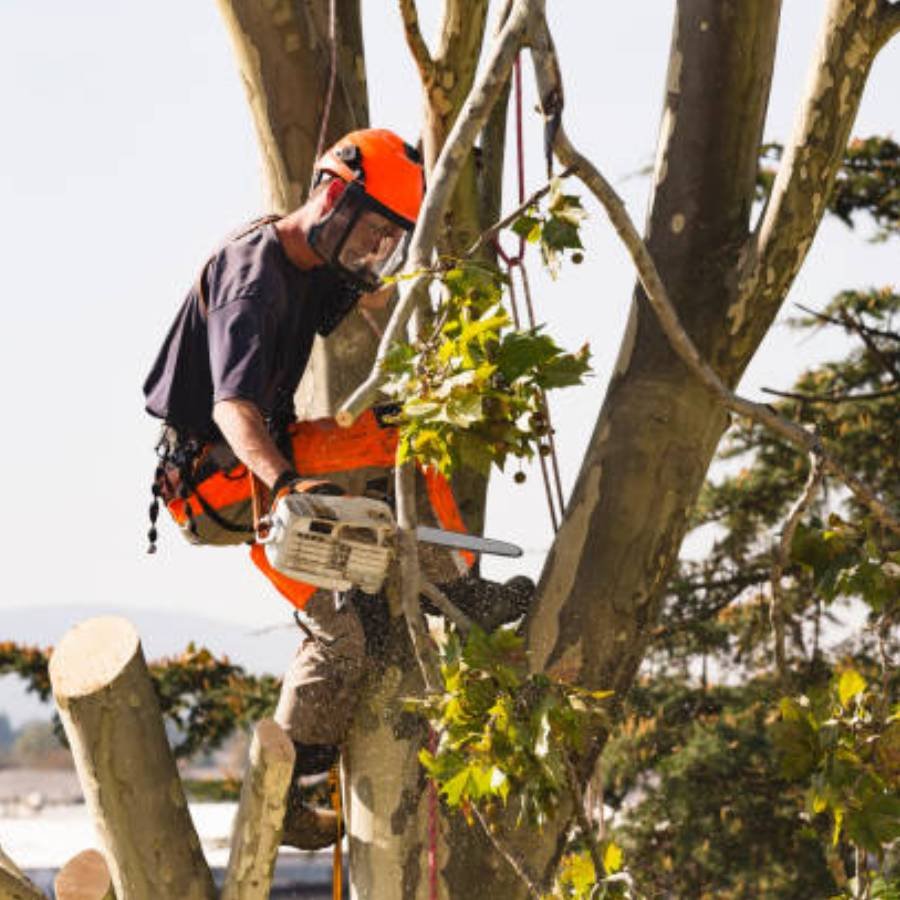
x=84, y=877
x=127, y=771
x=259, y=820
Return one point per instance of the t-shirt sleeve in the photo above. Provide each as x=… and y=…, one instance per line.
x=239, y=349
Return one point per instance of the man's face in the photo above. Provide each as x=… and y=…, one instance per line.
x=352, y=233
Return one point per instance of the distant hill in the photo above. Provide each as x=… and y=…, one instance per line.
x=162, y=634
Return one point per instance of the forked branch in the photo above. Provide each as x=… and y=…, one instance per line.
x=547, y=73
x=456, y=150
x=852, y=34
x=415, y=41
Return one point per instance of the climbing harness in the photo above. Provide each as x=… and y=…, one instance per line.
x=516, y=264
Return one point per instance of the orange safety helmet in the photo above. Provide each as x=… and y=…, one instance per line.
x=389, y=169
x=376, y=202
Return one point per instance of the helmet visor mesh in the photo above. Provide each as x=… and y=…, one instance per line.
x=359, y=236
x=369, y=245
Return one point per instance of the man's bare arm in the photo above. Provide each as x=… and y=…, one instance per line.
x=243, y=428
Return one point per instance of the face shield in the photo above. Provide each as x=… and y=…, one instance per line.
x=360, y=237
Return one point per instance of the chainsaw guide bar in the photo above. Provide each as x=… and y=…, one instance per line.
x=342, y=542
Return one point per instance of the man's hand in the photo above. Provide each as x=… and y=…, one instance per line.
x=377, y=299
x=243, y=428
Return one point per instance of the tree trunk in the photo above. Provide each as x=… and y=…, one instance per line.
x=400, y=839
x=112, y=720
x=284, y=54
x=259, y=822
x=84, y=877
x=603, y=584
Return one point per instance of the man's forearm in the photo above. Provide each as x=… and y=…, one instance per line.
x=243, y=428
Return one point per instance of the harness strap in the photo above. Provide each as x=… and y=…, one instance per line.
x=211, y=511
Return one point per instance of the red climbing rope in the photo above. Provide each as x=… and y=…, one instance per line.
x=515, y=266
x=432, y=825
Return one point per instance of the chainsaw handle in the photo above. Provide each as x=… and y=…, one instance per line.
x=267, y=531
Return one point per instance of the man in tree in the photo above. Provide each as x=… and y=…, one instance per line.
x=224, y=383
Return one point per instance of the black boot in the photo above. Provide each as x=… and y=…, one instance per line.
x=309, y=821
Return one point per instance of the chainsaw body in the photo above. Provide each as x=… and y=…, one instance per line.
x=331, y=542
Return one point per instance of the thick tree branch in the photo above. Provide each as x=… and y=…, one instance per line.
x=416, y=42
x=783, y=558
x=456, y=150
x=847, y=47
x=547, y=72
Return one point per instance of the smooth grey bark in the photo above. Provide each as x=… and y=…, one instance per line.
x=603, y=584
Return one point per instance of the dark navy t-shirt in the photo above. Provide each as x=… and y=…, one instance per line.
x=253, y=340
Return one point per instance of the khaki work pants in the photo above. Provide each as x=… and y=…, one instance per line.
x=320, y=688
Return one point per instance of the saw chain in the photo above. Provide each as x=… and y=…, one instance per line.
x=342, y=542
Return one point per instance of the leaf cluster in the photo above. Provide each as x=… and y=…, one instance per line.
x=505, y=737
x=577, y=877
x=846, y=745
x=556, y=231
x=472, y=393
x=206, y=698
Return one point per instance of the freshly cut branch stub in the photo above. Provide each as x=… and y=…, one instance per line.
x=84, y=877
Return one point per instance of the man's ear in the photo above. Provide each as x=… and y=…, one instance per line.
x=327, y=194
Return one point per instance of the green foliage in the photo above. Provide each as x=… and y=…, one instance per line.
x=846, y=745
x=577, y=879
x=203, y=698
x=558, y=230
x=713, y=814
x=206, y=698
x=845, y=562
x=471, y=394
x=30, y=664
x=506, y=736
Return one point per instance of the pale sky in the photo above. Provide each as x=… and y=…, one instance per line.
x=128, y=151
